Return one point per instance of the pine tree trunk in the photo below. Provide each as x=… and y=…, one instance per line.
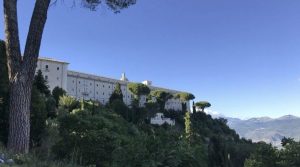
x=19, y=124
x=21, y=70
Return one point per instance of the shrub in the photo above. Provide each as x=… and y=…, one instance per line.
x=69, y=103
x=51, y=107
x=119, y=107
x=38, y=116
x=57, y=92
x=91, y=139
x=117, y=94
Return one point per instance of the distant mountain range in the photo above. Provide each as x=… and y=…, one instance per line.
x=266, y=129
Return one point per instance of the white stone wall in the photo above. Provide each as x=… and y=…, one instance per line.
x=55, y=72
x=173, y=104
x=160, y=119
x=91, y=87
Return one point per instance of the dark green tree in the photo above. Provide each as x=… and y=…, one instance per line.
x=117, y=94
x=58, y=92
x=286, y=141
x=264, y=156
x=194, y=107
x=218, y=154
x=41, y=83
x=38, y=116
x=4, y=94
x=202, y=105
x=51, y=107
x=289, y=155
x=91, y=139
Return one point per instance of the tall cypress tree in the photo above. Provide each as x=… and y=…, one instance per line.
x=117, y=94
x=188, y=128
x=41, y=83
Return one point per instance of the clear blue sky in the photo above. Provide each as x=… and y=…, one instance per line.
x=241, y=55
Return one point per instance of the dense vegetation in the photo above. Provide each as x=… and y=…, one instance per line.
x=268, y=156
x=70, y=132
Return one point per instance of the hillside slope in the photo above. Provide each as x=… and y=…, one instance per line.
x=267, y=129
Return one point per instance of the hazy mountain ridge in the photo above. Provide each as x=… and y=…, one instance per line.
x=267, y=129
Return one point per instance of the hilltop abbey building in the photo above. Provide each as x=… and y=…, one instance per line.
x=92, y=87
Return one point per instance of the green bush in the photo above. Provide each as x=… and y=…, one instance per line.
x=38, y=116
x=51, y=107
x=119, y=107
x=57, y=92
x=68, y=103
x=91, y=139
x=117, y=94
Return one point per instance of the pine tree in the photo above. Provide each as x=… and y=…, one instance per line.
x=41, y=83
x=38, y=116
x=58, y=92
x=117, y=94
x=194, y=107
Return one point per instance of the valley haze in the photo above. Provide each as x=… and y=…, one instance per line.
x=269, y=130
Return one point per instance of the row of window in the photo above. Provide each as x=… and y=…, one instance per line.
x=97, y=85
x=102, y=93
x=47, y=68
x=46, y=77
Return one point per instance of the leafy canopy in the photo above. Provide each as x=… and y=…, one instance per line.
x=203, y=105
x=138, y=89
x=114, y=5
x=41, y=83
x=185, y=96
x=57, y=92
x=161, y=95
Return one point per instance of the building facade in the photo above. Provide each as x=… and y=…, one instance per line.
x=160, y=119
x=93, y=87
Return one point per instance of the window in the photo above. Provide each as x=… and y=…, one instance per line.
x=97, y=85
x=79, y=82
x=103, y=93
x=73, y=81
x=47, y=67
x=46, y=77
x=57, y=68
x=108, y=86
x=57, y=78
x=90, y=84
x=103, y=86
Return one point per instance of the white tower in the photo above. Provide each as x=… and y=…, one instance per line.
x=123, y=78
